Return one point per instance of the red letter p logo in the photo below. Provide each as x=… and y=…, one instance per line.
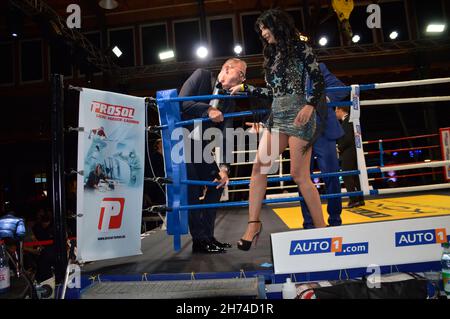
x=111, y=211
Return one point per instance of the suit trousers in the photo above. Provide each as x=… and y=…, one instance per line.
x=201, y=221
x=349, y=163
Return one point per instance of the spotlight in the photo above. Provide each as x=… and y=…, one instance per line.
x=117, y=51
x=356, y=38
x=166, y=55
x=202, y=52
x=14, y=22
x=435, y=28
x=108, y=4
x=238, y=49
x=393, y=35
x=323, y=41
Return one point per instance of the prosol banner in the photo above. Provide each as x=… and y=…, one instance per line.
x=111, y=148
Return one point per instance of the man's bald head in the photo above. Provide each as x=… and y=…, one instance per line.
x=232, y=73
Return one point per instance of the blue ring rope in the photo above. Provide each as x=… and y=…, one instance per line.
x=270, y=180
x=272, y=201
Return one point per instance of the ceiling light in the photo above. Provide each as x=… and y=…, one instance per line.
x=238, y=49
x=117, y=51
x=14, y=22
x=202, y=52
x=393, y=35
x=166, y=55
x=108, y=4
x=323, y=41
x=435, y=28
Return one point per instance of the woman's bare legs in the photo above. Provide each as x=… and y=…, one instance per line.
x=270, y=147
x=300, y=172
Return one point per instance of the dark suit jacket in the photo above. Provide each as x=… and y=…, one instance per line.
x=346, y=142
x=201, y=82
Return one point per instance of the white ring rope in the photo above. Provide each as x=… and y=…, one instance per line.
x=389, y=85
x=406, y=100
x=414, y=166
x=413, y=188
x=251, y=162
x=245, y=151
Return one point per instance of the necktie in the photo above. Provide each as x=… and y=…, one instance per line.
x=215, y=103
x=196, y=132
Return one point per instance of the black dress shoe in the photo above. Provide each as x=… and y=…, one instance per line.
x=206, y=248
x=360, y=203
x=219, y=244
x=352, y=204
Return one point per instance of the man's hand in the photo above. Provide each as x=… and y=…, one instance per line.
x=215, y=115
x=224, y=180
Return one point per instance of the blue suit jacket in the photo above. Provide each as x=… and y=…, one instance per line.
x=333, y=129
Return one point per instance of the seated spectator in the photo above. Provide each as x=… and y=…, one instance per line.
x=43, y=230
x=31, y=254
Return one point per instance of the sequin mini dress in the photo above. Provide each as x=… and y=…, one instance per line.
x=285, y=80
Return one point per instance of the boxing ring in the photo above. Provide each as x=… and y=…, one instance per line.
x=170, y=258
x=177, y=206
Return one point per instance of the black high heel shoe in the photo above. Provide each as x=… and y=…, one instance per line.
x=246, y=244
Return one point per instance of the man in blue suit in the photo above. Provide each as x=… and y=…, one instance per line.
x=324, y=149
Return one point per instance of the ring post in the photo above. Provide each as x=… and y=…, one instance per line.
x=444, y=139
x=176, y=193
x=58, y=186
x=355, y=112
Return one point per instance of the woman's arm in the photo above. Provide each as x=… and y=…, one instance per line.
x=312, y=67
x=252, y=90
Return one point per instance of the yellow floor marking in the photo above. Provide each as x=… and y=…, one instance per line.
x=378, y=210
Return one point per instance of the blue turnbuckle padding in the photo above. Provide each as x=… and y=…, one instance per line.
x=176, y=193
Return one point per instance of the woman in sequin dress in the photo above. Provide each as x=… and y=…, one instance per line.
x=287, y=62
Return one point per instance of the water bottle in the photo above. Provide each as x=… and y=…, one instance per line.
x=445, y=263
x=289, y=291
x=4, y=269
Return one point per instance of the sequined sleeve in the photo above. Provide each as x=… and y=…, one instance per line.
x=308, y=57
x=258, y=91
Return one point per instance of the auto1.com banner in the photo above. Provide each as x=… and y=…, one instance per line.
x=111, y=150
x=406, y=241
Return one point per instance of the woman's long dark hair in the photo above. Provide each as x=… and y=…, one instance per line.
x=283, y=28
